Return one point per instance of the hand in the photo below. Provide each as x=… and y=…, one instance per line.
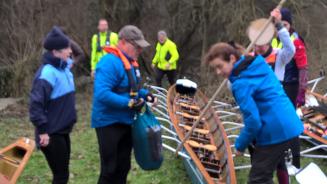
x=44, y=140
x=136, y=104
x=93, y=74
x=153, y=66
x=276, y=14
x=300, y=99
x=168, y=66
x=238, y=153
x=152, y=99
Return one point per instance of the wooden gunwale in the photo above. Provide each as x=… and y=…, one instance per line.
x=212, y=122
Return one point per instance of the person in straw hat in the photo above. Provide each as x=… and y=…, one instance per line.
x=279, y=54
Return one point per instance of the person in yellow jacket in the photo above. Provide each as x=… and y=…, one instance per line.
x=165, y=59
x=103, y=38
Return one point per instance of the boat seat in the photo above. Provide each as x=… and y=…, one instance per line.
x=195, y=144
x=198, y=130
x=193, y=107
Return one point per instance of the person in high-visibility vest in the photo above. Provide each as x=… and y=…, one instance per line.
x=281, y=59
x=296, y=72
x=103, y=38
x=165, y=59
x=295, y=79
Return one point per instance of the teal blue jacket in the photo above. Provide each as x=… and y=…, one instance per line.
x=268, y=114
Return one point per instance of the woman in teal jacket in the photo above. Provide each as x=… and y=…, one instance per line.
x=269, y=117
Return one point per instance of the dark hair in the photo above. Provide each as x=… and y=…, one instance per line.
x=223, y=51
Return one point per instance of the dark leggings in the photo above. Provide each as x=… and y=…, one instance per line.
x=57, y=154
x=291, y=90
x=160, y=74
x=265, y=160
x=115, y=146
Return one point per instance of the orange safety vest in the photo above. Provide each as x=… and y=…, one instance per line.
x=271, y=58
x=134, y=85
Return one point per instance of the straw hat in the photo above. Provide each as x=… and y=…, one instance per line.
x=255, y=28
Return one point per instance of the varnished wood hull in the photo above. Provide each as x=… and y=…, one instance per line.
x=219, y=166
x=315, y=121
x=13, y=159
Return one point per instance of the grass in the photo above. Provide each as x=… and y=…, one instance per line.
x=84, y=163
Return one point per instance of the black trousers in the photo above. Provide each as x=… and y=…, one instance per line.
x=115, y=146
x=160, y=74
x=57, y=154
x=292, y=90
x=265, y=160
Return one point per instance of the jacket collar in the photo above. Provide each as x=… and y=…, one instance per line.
x=241, y=65
x=49, y=58
x=127, y=57
x=269, y=51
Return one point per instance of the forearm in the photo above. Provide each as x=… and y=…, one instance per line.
x=287, y=52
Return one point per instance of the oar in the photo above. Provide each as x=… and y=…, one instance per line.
x=195, y=144
x=187, y=136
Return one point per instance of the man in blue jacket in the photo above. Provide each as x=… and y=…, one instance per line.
x=117, y=98
x=52, y=104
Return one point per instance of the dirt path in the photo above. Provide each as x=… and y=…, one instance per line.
x=5, y=102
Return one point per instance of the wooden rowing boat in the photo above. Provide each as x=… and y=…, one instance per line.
x=13, y=159
x=315, y=118
x=208, y=145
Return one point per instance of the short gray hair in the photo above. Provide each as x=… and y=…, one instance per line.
x=162, y=32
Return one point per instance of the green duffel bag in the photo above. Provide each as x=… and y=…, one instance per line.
x=147, y=142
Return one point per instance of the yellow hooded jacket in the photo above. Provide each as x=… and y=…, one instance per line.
x=166, y=54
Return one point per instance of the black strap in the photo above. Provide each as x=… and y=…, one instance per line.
x=134, y=85
x=243, y=65
x=99, y=48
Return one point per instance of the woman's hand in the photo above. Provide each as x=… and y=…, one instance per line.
x=238, y=153
x=276, y=14
x=44, y=140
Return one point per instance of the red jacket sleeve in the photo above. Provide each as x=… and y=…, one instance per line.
x=300, y=54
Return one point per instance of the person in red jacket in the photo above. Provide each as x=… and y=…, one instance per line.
x=295, y=81
x=296, y=72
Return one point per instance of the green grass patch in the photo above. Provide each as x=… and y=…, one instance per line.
x=84, y=163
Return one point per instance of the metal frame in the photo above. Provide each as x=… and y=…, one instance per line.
x=315, y=83
x=224, y=110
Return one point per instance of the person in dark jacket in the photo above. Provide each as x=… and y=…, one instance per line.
x=296, y=72
x=52, y=104
x=116, y=100
x=261, y=99
x=279, y=54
